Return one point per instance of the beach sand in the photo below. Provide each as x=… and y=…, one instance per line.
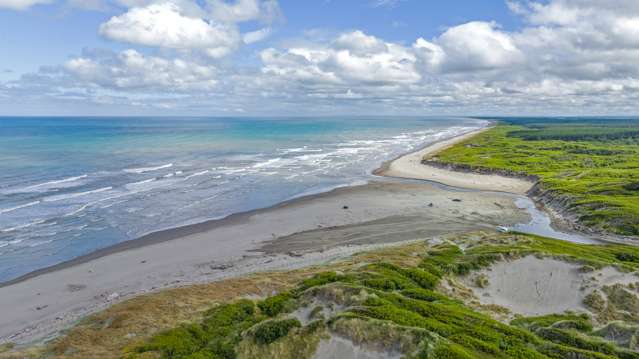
x=294, y=234
x=410, y=166
x=532, y=286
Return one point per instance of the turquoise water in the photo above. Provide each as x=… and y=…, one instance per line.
x=70, y=186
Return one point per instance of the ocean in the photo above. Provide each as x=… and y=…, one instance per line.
x=70, y=186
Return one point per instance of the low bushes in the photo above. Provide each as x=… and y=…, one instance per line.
x=270, y=331
x=403, y=297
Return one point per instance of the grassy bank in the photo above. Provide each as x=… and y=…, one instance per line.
x=590, y=169
x=392, y=301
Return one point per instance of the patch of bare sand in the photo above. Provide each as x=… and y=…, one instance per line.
x=337, y=347
x=533, y=286
x=411, y=166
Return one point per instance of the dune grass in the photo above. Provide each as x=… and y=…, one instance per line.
x=385, y=300
x=402, y=297
x=592, y=170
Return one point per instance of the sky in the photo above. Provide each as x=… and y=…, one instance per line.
x=319, y=57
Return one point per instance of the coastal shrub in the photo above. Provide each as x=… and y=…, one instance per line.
x=446, y=350
x=573, y=339
x=581, y=322
x=388, y=296
x=627, y=257
x=270, y=331
x=443, y=258
x=474, y=343
x=431, y=267
x=424, y=294
x=229, y=314
x=317, y=280
x=633, y=186
x=586, y=170
x=178, y=342
x=557, y=351
x=384, y=284
x=217, y=335
x=423, y=278
x=394, y=274
x=274, y=305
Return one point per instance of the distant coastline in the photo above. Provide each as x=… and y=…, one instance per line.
x=178, y=232
x=411, y=166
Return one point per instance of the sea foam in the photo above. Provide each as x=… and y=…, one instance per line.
x=148, y=169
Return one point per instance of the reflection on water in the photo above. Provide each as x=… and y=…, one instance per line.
x=540, y=224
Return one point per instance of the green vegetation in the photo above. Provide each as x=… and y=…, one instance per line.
x=589, y=168
x=274, y=305
x=580, y=322
x=215, y=337
x=273, y=330
x=387, y=306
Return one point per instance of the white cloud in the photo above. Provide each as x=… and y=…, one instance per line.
x=257, y=35
x=21, y=4
x=184, y=25
x=130, y=70
x=352, y=57
x=385, y=3
x=579, y=54
x=242, y=10
x=478, y=45
x=165, y=25
x=568, y=56
x=245, y=10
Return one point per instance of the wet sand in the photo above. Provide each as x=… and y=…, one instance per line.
x=294, y=234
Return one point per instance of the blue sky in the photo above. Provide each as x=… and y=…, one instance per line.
x=52, y=33
x=241, y=57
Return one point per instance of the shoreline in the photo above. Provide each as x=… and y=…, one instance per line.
x=169, y=234
x=411, y=166
x=420, y=165
x=302, y=232
x=320, y=227
x=174, y=233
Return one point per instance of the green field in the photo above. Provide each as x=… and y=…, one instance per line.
x=592, y=168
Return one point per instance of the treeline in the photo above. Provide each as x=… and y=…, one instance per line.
x=569, y=121
x=581, y=133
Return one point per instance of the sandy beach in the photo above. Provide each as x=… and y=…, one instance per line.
x=410, y=166
x=301, y=232
x=294, y=234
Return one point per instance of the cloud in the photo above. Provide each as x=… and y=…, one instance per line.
x=130, y=70
x=568, y=56
x=255, y=36
x=184, y=25
x=165, y=25
x=353, y=57
x=571, y=54
x=21, y=4
x=245, y=10
x=385, y=3
x=478, y=45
